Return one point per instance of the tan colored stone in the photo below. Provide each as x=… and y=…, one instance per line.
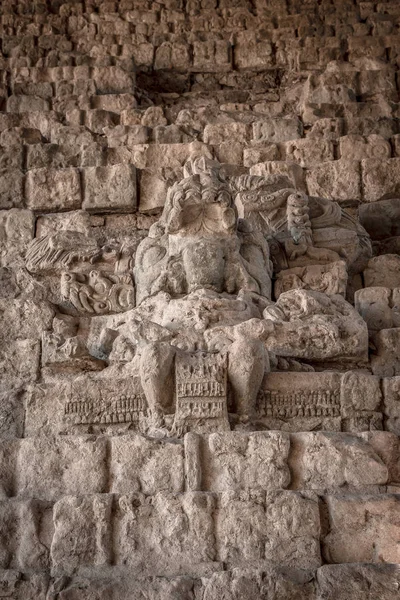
x=142, y=465
x=16, y=231
x=383, y=271
x=165, y=534
x=110, y=188
x=380, y=178
x=277, y=130
x=338, y=180
x=11, y=188
x=358, y=147
x=321, y=461
x=53, y=189
x=82, y=532
x=281, y=527
x=363, y=529
x=49, y=468
x=240, y=461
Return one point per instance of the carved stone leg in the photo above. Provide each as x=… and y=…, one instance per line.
x=156, y=375
x=247, y=362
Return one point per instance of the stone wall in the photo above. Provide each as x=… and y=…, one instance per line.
x=105, y=494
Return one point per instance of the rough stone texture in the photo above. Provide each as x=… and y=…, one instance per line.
x=199, y=300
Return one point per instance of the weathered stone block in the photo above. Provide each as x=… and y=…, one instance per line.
x=49, y=468
x=223, y=132
x=337, y=180
x=363, y=529
x=142, y=465
x=381, y=178
x=359, y=391
x=383, y=271
x=165, y=534
x=386, y=363
x=110, y=188
x=381, y=219
x=373, y=304
x=25, y=535
x=281, y=527
x=15, y=585
x=358, y=147
x=251, y=583
x=11, y=188
x=277, y=130
x=308, y=152
x=321, y=461
x=53, y=189
x=241, y=461
x=358, y=581
x=251, y=52
x=82, y=532
x=16, y=231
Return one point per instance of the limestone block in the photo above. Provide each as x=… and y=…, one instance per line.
x=15, y=585
x=330, y=279
x=358, y=582
x=153, y=116
x=25, y=535
x=53, y=189
x=241, y=461
x=16, y=231
x=378, y=306
x=11, y=154
x=386, y=363
x=145, y=465
x=152, y=191
x=387, y=447
x=331, y=87
x=383, y=271
x=212, y=56
x=391, y=396
x=251, y=583
x=251, y=52
x=172, y=56
x=381, y=178
x=12, y=413
x=44, y=405
x=377, y=82
x=126, y=136
x=19, y=362
x=110, y=188
x=275, y=167
x=363, y=528
x=358, y=147
x=281, y=527
x=49, y=468
x=224, y=132
x=113, y=80
x=277, y=130
x=8, y=462
x=260, y=153
x=11, y=188
x=20, y=104
x=359, y=391
x=171, y=134
x=381, y=219
x=336, y=180
x=171, y=156
x=82, y=532
x=326, y=128
x=321, y=460
x=97, y=120
x=166, y=533
x=22, y=318
x=308, y=152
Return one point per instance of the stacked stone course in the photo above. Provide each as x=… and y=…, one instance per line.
x=101, y=105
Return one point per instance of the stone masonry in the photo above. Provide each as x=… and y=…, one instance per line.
x=200, y=300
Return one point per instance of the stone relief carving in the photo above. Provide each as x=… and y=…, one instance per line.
x=97, y=292
x=204, y=331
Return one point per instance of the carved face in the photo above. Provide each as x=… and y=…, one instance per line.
x=200, y=204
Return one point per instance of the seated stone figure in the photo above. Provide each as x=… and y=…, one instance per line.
x=203, y=285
